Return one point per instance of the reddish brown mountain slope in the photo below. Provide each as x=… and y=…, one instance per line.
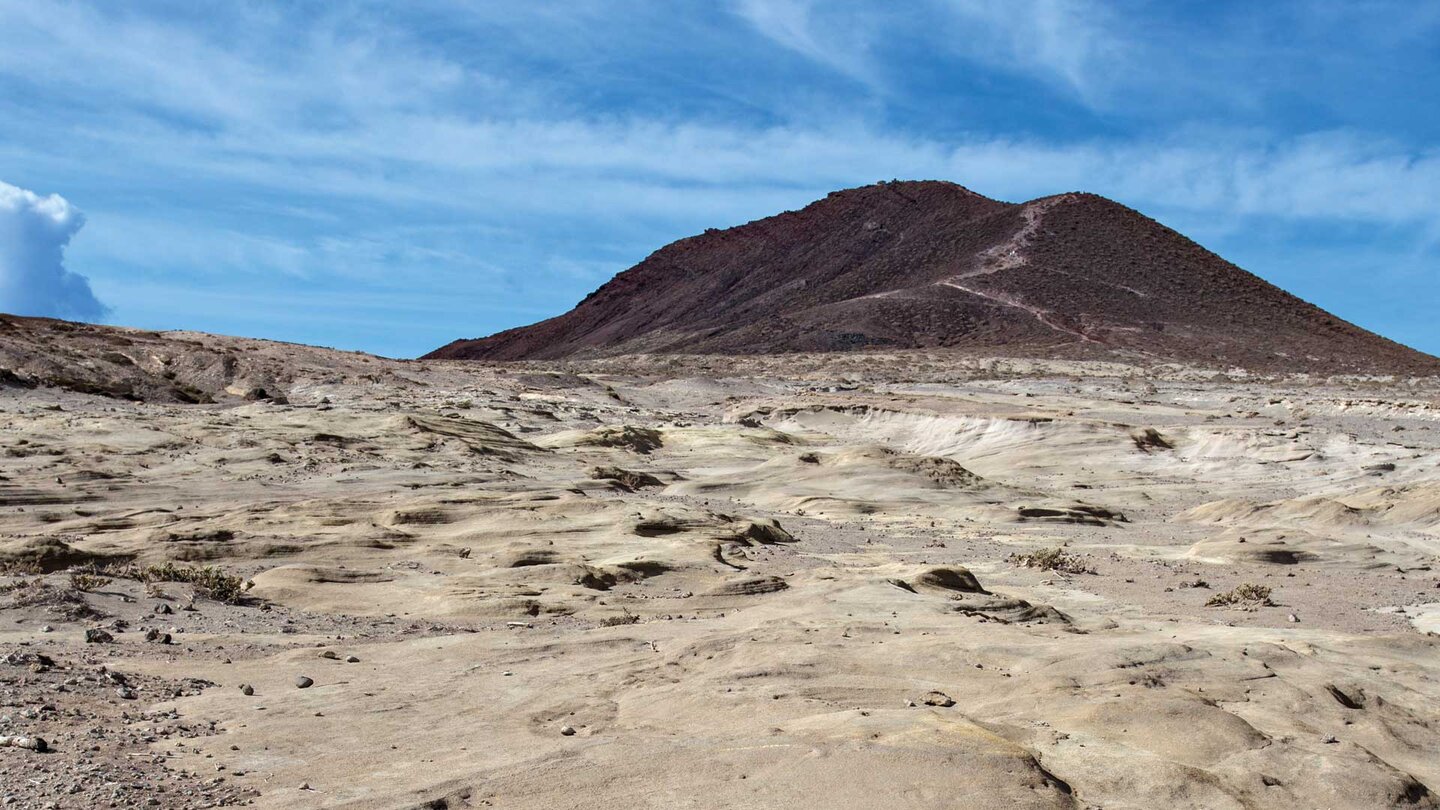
x=930, y=264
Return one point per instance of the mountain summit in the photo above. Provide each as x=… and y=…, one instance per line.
x=932, y=264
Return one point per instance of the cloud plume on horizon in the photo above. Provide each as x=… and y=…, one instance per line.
x=34, y=231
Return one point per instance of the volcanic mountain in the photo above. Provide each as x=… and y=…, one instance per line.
x=931, y=264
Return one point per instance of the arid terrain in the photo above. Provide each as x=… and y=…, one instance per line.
x=908, y=579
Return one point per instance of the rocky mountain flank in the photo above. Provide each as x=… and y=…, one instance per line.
x=931, y=264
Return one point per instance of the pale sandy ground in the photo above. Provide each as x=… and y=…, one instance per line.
x=796, y=577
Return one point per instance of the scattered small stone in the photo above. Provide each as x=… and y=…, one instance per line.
x=568, y=731
x=97, y=636
x=303, y=682
x=329, y=654
x=1294, y=618
x=939, y=699
x=352, y=660
x=1329, y=739
x=45, y=628
x=125, y=693
x=246, y=689
x=163, y=609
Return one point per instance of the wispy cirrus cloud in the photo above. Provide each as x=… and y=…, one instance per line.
x=839, y=40
x=359, y=112
x=1078, y=45
x=1075, y=42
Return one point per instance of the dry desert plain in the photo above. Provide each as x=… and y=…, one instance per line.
x=863, y=580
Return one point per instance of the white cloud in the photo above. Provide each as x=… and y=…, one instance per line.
x=1074, y=44
x=365, y=115
x=34, y=231
x=1332, y=176
x=794, y=24
x=1070, y=41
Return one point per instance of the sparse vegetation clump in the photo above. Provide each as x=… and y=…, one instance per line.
x=1053, y=559
x=629, y=478
x=20, y=568
x=1248, y=595
x=635, y=439
x=86, y=581
x=19, y=587
x=209, y=582
x=37, y=592
x=616, y=621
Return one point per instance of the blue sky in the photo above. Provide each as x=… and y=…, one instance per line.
x=390, y=176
